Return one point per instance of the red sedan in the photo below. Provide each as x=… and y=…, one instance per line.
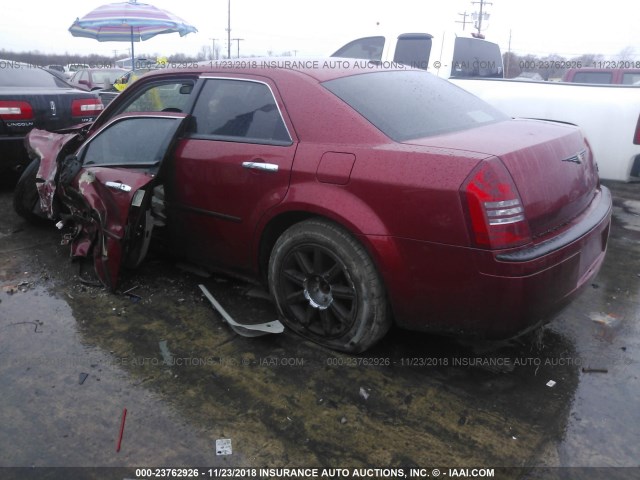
x=363, y=196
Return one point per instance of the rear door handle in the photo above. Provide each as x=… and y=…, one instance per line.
x=267, y=167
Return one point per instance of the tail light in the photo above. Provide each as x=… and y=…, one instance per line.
x=14, y=110
x=90, y=107
x=636, y=137
x=494, y=207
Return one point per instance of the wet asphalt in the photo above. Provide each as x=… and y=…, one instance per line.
x=73, y=357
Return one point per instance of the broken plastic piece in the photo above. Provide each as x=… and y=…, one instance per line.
x=223, y=446
x=246, y=330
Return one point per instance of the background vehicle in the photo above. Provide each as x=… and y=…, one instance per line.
x=122, y=82
x=361, y=198
x=58, y=68
x=609, y=116
x=95, y=78
x=447, y=55
x=624, y=76
x=72, y=68
x=32, y=97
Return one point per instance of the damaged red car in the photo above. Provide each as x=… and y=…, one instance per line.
x=362, y=196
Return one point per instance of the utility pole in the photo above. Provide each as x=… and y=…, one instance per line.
x=213, y=48
x=480, y=16
x=238, y=40
x=464, y=19
x=508, y=58
x=229, y=30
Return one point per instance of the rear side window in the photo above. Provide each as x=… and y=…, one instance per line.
x=240, y=110
x=631, y=78
x=368, y=48
x=413, y=49
x=19, y=75
x=473, y=57
x=406, y=105
x=592, y=77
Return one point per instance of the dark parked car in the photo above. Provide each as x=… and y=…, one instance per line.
x=32, y=97
x=95, y=78
x=362, y=196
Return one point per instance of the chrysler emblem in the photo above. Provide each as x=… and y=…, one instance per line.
x=577, y=158
x=52, y=105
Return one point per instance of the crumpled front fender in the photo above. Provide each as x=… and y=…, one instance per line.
x=50, y=148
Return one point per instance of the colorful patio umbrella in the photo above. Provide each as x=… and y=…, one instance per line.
x=128, y=21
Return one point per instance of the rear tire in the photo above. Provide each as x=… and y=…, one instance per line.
x=26, y=200
x=327, y=288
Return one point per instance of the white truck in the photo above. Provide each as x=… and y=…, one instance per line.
x=609, y=115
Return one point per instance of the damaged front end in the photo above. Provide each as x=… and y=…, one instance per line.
x=102, y=189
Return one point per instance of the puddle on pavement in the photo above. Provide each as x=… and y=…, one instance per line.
x=187, y=380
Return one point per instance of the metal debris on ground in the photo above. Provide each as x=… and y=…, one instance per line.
x=551, y=383
x=604, y=319
x=82, y=378
x=134, y=298
x=167, y=357
x=594, y=370
x=223, y=446
x=245, y=330
x=363, y=393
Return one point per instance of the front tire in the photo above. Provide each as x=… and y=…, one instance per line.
x=327, y=288
x=26, y=200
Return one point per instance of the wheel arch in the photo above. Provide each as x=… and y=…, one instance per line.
x=380, y=248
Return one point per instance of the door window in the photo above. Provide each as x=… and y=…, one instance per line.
x=240, y=110
x=132, y=142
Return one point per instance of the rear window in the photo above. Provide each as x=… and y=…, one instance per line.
x=473, y=57
x=593, y=77
x=407, y=105
x=413, y=50
x=19, y=75
x=368, y=48
x=631, y=78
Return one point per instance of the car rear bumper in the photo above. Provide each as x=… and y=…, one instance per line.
x=434, y=287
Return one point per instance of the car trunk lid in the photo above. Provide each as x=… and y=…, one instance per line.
x=50, y=109
x=550, y=163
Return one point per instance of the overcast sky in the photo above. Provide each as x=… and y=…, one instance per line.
x=311, y=28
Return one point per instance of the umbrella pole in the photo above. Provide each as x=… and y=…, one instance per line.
x=133, y=66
